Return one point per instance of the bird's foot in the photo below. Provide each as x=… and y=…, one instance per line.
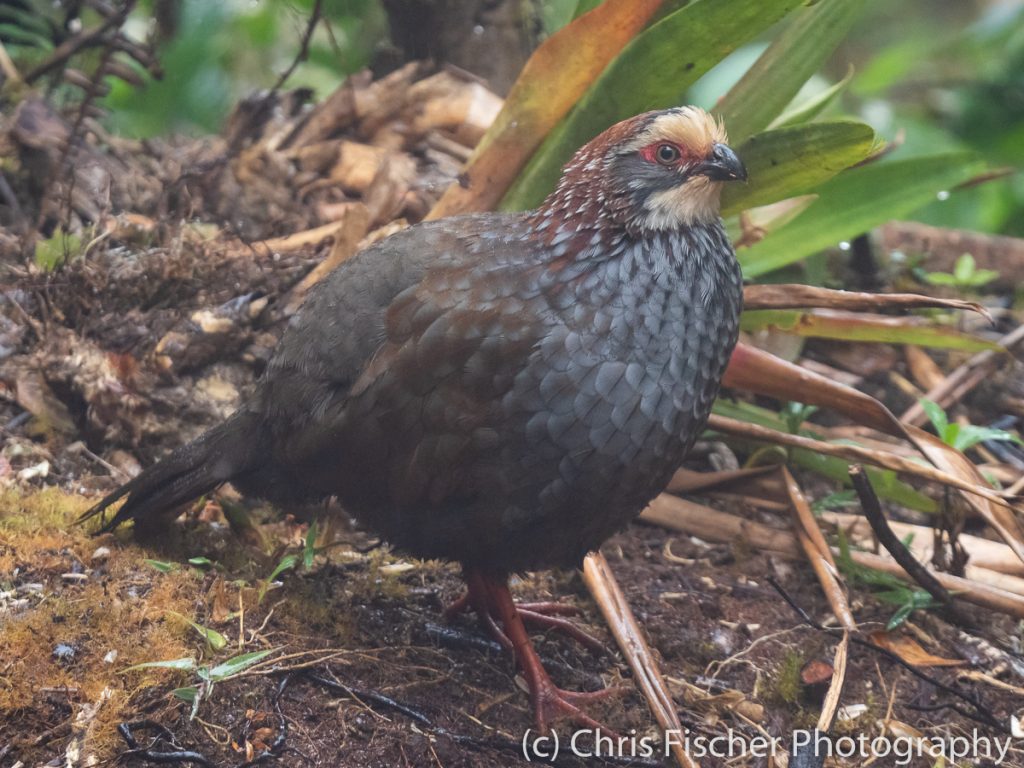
x=493, y=602
x=551, y=703
x=543, y=615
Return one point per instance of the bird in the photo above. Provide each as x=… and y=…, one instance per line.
x=504, y=391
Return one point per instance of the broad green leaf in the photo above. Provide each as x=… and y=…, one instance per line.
x=234, y=666
x=652, y=72
x=856, y=326
x=791, y=161
x=810, y=108
x=172, y=664
x=561, y=69
x=788, y=62
x=854, y=202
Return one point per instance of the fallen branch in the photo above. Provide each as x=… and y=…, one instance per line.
x=873, y=512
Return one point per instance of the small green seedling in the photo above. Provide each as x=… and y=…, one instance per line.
x=886, y=587
x=965, y=275
x=962, y=436
x=208, y=676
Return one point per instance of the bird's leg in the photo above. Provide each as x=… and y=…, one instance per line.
x=544, y=616
x=477, y=597
x=549, y=702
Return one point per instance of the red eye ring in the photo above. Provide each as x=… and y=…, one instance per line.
x=667, y=154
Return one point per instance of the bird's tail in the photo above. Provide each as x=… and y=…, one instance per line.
x=216, y=456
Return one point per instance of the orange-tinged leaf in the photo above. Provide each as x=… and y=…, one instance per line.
x=553, y=80
x=908, y=649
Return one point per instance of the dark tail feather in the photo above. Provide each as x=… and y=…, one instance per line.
x=216, y=456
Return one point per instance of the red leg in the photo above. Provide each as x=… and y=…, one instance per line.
x=549, y=702
x=543, y=616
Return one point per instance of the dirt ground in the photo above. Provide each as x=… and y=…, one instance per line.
x=179, y=278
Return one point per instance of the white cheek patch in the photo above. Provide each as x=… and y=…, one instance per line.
x=694, y=202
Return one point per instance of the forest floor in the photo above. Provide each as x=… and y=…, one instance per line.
x=149, y=317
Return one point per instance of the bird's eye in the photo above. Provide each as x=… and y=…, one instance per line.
x=667, y=154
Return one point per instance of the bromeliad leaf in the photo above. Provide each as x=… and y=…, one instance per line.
x=551, y=83
x=810, y=108
x=851, y=326
x=792, y=161
x=786, y=64
x=856, y=201
x=652, y=72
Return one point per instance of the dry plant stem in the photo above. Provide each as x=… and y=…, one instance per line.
x=835, y=688
x=965, y=378
x=813, y=543
x=873, y=512
x=598, y=577
x=852, y=453
x=697, y=520
x=796, y=296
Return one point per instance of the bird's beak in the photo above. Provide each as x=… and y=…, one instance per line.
x=722, y=165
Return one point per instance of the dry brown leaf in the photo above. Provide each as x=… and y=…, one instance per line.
x=797, y=296
x=908, y=649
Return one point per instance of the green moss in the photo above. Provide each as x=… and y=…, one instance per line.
x=785, y=684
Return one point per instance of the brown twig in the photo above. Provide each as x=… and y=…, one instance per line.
x=303, y=54
x=873, y=512
x=963, y=379
x=74, y=44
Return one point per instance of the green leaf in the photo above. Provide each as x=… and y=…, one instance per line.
x=936, y=416
x=836, y=500
x=652, y=72
x=188, y=663
x=287, y=563
x=791, y=161
x=788, y=62
x=216, y=640
x=161, y=565
x=234, y=666
x=969, y=435
x=854, y=202
x=887, y=484
x=849, y=326
x=810, y=108
x=57, y=250
x=188, y=694
x=309, y=551
x=200, y=562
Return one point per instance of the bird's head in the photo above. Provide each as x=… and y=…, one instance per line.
x=657, y=171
